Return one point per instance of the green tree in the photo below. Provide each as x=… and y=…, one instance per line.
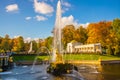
x=21, y=44
x=48, y=42
x=116, y=29
x=27, y=47
x=34, y=46
x=39, y=43
x=109, y=50
x=117, y=50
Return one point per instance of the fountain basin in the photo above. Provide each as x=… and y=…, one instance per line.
x=58, y=69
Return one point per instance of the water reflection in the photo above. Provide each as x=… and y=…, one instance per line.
x=100, y=72
x=88, y=72
x=110, y=71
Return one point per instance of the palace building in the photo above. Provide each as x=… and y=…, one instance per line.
x=80, y=48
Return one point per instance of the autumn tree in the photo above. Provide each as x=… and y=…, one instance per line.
x=39, y=43
x=11, y=44
x=80, y=34
x=19, y=45
x=0, y=41
x=116, y=35
x=68, y=33
x=42, y=43
x=0, y=44
x=5, y=45
x=15, y=43
x=98, y=32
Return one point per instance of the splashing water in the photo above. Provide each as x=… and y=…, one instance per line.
x=35, y=60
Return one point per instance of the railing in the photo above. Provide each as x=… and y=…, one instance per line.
x=4, y=60
x=4, y=63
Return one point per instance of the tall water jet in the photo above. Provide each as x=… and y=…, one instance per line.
x=57, y=48
x=58, y=66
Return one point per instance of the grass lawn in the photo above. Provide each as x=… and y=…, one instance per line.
x=90, y=57
x=29, y=58
x=68, y=57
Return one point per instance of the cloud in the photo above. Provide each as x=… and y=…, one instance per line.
x=85, y=25
x=66, y=4
x=17, y=36
x=37, y=17
x=69, y=20
x=42, y=7
x=28, y=18
x=40, y=18
x=64, y=10
x=12, y=8
x=37, y=40
x=27, y=40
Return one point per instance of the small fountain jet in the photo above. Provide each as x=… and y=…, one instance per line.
x=30, y=50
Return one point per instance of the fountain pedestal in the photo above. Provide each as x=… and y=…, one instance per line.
x=59, y=67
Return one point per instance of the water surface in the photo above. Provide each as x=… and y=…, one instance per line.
x=88, y=72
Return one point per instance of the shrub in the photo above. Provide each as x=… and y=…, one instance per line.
x=109, y=50
x=117, y=50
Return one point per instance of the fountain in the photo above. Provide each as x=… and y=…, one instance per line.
x=58, y=66
x=57, y=33
x=30, y=50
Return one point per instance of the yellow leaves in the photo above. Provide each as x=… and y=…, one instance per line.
x=111, y=35
x=98, y=32
x=11, y=59
x=14, y=48
x=53, y=65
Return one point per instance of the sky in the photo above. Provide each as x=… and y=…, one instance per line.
x=36, y=18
